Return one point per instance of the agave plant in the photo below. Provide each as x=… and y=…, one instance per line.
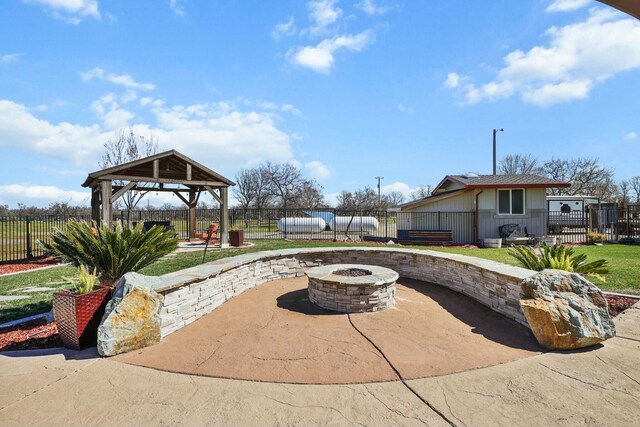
x=559, y=258
x=85, y=282
x=112, y=252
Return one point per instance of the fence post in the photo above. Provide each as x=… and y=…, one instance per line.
x=629, y=233
x=335, y=222
x=29, y=249
x=386, y=225
x=586, y=224
x=284, y=219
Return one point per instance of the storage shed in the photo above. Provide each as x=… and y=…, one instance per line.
x=473, y=206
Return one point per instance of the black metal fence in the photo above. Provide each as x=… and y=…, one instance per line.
x=19, y=236
x=614, y=224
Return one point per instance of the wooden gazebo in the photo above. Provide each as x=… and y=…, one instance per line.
x=169, y=171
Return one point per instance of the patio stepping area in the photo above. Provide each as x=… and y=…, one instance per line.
x=273, y=333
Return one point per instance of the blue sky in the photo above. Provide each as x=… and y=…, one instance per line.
x=346, y=90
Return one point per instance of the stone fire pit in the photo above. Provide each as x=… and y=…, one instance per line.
x=352, y=288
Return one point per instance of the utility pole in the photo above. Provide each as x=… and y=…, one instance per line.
x=379, y=178
x=495, y=131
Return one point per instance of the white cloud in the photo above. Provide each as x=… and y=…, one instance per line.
x=370, y=8
x=631, y=136
x=27, y=193
x=557, y=93
x=10, y=57
x=219, y=135
x=272, y=106
x=176, y=7
x=116, y=79
x=322, y=13
x=566, y=5
x=320, y=58
x=318, y=170
x=397, y=186
x=71, y=11
x=577, y=58
x=222, y=135
x=453, y=81
x=108, y=109
x=284, y=29
x=20, y=129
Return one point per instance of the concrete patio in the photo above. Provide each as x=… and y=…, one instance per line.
x=600, y=386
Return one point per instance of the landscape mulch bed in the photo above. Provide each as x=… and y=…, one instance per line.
x=24, y=265
x=30, y=335
x=618, y=304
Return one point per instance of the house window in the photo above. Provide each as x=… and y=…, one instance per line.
x=511, y=202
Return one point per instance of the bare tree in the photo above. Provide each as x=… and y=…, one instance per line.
x=365, y=199
x=519, y=164
x=624, y=190
x=124, y=148
x=285, y=180
x=394, y=198
x=309, y=195
x=635, y=186
x=421, y=192
x=246, y=187
x=586, y=175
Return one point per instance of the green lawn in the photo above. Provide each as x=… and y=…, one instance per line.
x=624, y=261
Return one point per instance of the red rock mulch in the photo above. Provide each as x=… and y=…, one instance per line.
x=30, y=335
x=618, y=304
x=24, y=265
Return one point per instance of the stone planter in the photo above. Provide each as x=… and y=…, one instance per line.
x=236, y=237
x=492, y=243
x=78, y=316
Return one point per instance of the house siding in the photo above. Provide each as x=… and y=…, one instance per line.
x=453, y=213
x=535, y=217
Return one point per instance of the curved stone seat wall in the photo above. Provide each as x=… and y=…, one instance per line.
x=194, y=292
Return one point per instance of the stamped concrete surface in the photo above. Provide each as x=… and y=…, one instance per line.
x=273, y=333
x=597, y=387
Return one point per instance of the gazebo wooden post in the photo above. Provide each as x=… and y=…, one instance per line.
x=224, y=217
x=106, y=202
x=192, y=214
x=95, y=204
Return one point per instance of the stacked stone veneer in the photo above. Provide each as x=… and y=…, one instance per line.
x=375, y=292
x=192, y=293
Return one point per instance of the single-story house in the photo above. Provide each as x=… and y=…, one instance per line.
x=474, y=206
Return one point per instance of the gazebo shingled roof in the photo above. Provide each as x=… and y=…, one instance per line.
x=631, y=7
x=166, y=169
x=172, y=164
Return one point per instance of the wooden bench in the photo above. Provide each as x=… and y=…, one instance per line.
x=425, y=237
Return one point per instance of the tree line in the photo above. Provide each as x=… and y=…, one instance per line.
x=586, y=175
x=279, y=185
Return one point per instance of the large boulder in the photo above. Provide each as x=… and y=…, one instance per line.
x=565, y=311
x=131, y=320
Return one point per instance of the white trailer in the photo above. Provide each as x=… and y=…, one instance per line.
x=568, y=212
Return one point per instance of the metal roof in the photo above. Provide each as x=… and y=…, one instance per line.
x=471, y=181
x=429, y=199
